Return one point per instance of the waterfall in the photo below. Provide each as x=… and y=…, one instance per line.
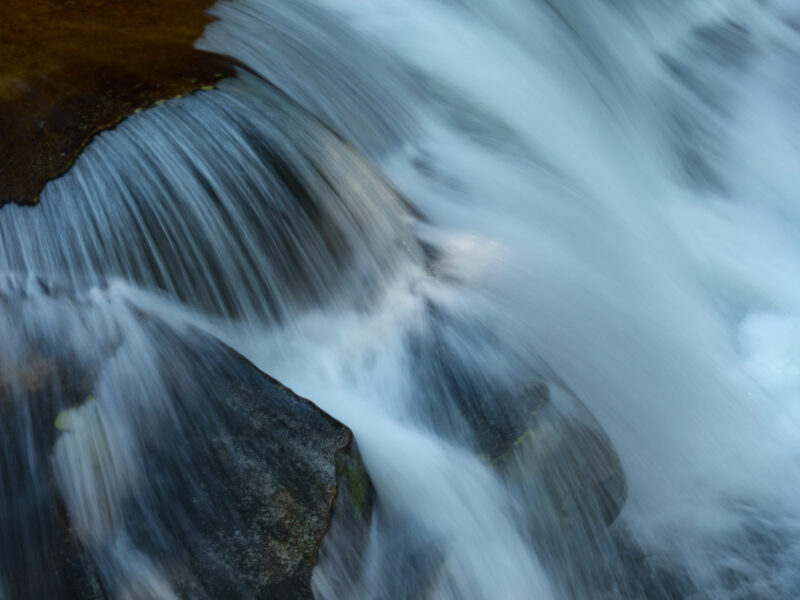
x=435, y=219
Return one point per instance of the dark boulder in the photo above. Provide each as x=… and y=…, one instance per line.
x=170, y=468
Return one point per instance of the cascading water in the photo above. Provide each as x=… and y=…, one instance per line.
x=422, y=215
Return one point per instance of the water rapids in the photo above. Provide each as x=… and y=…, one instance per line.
x=407, y=209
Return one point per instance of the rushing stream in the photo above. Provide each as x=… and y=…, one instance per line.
x=406, y=210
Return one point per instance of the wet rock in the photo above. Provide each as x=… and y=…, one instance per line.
x=502, y=424
x=541, y=439
x=569, y=489
x=202, y=478
x=277, y=458
x=343, y=551
x=566, y=458
x=460, y=397
x=647, y=575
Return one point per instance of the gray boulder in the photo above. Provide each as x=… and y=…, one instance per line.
x=166, y=465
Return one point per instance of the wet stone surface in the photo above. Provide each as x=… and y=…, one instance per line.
x=143, y=460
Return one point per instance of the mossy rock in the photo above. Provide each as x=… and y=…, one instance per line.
x=355, y=491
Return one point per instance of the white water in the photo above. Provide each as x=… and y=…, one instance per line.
x=610, y=190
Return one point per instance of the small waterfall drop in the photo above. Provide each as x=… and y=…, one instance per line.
x=541, y=257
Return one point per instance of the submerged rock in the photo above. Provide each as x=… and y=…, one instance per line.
x=565, y=454
x=172, y=468
x=569, y=489
x=502, y=423
x=541, y=439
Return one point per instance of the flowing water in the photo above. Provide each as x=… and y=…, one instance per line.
x=407, y=209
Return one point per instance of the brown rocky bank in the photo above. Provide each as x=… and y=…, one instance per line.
x=71, y=68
